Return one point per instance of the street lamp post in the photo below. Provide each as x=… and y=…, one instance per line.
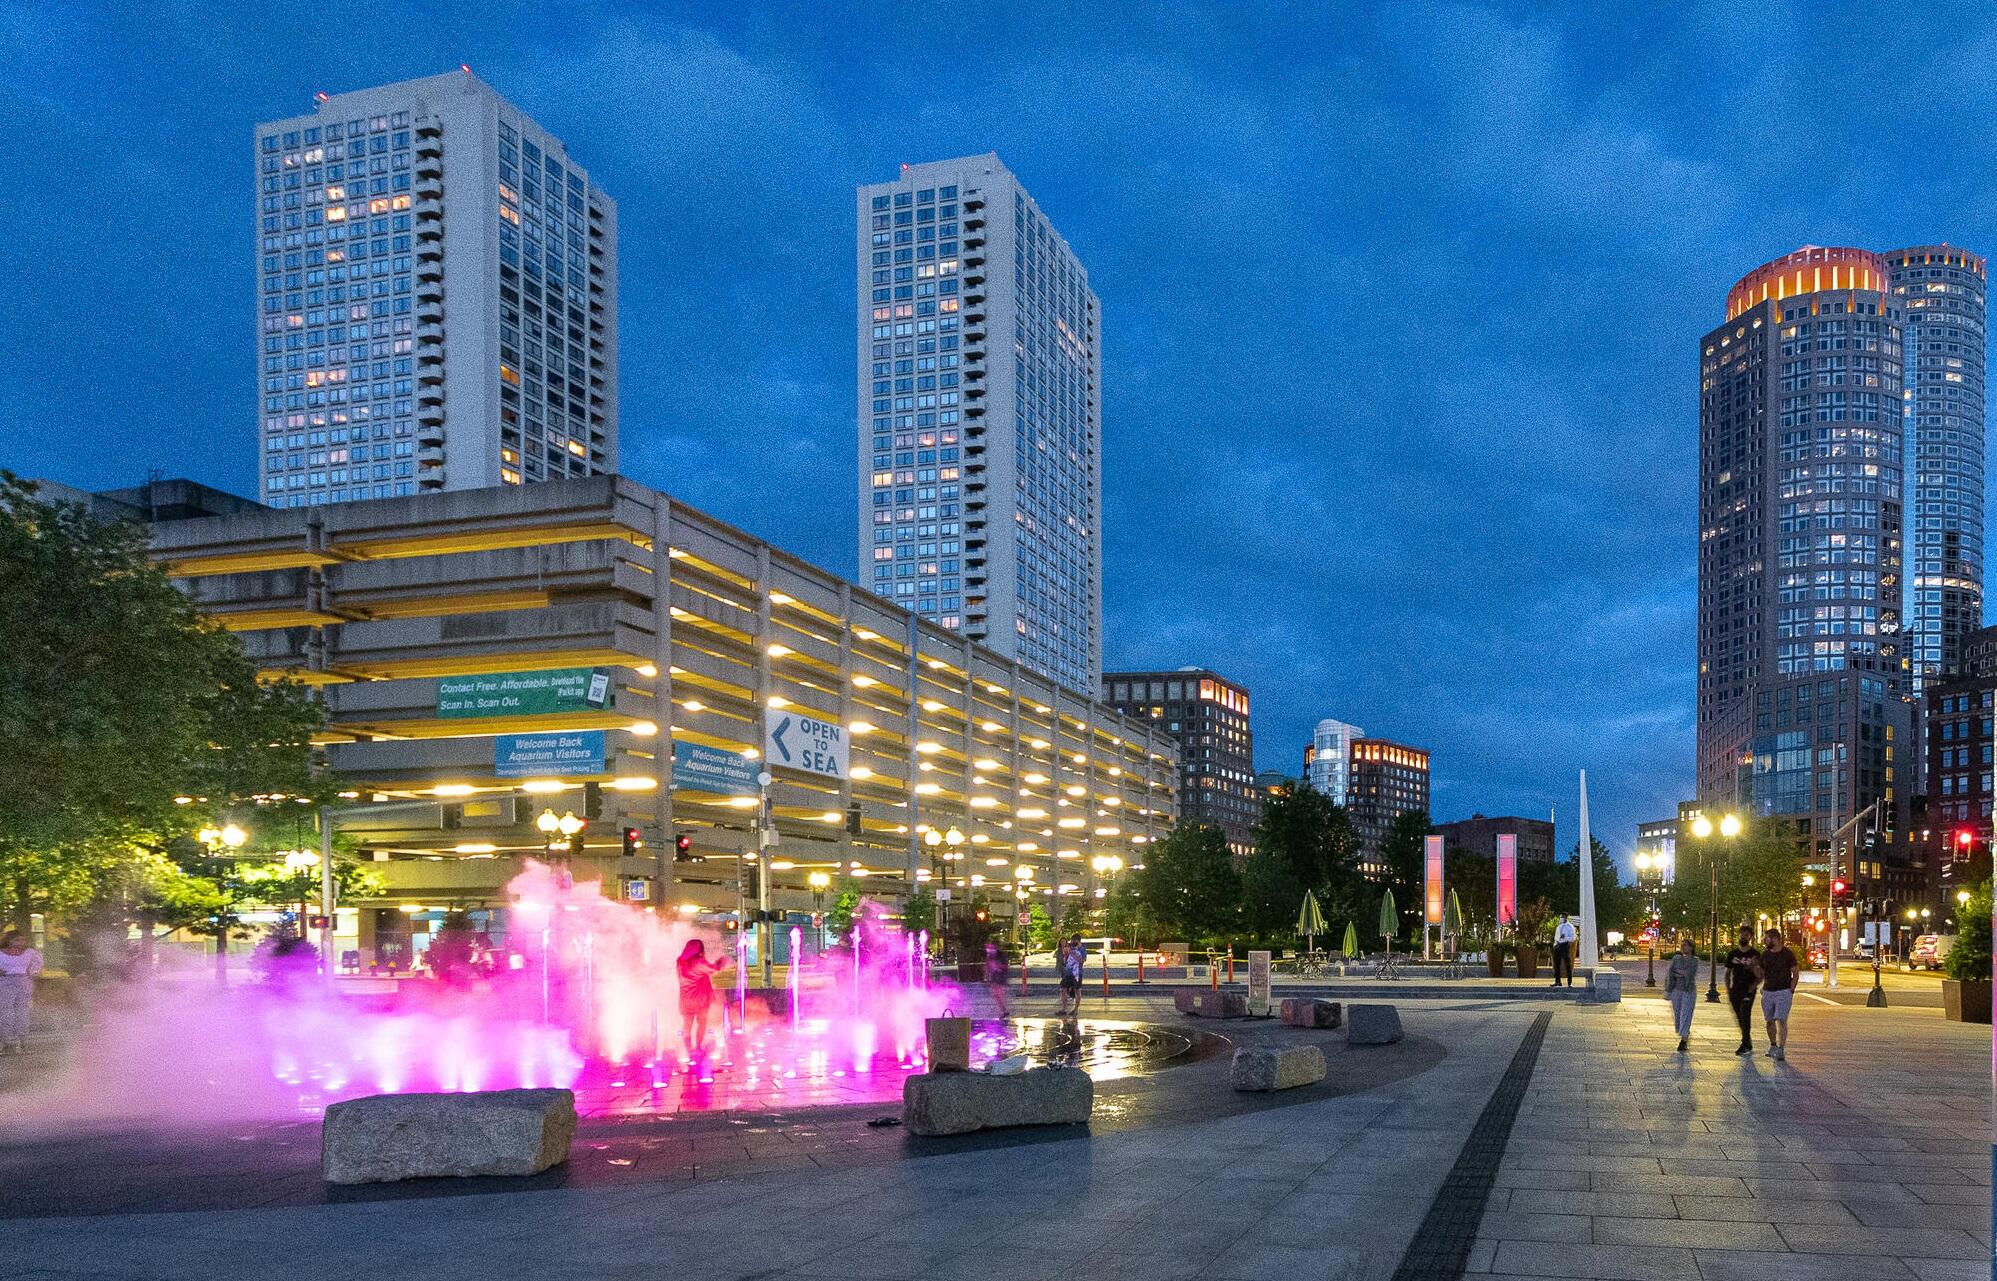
x=1643, y=866
x=819, y=882
x=230, y=837
x=1702, y=827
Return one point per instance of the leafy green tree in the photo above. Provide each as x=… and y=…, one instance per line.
x=845, y=902
x=134, y=720
x=1308, y=833
x=918, y=911
x=1759, y=871
x=1970, y=957
x=1040, y=928
x=1190, y=884
x=1126, y=915
x=1401, y=854
x=1270, y=893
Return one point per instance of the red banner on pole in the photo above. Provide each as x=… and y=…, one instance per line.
x=1508, y=878
x=1432, y=881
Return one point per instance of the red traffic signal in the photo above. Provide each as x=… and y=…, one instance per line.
x=682, y=845
x=1838, y=888
x=1965, y=838
x=633, y=842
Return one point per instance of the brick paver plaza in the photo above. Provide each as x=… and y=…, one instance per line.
x=1865, y=1155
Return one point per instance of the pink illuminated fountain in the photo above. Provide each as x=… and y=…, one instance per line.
x=588, y=998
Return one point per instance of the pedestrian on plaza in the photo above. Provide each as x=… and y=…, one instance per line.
x=1681, y=988
x=1742, y=977
x=1777, y=968
x=997, y=971
x=1073, y=958
x=19, y=964
x=1564, y=935
x=697, y=994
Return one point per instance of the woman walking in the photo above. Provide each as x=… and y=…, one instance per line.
x=1681, y=988
x=19, y=964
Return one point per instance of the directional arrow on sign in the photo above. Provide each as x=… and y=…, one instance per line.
x=777, y=737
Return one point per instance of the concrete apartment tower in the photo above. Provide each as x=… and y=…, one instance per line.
x=1940, y=290
x=436, y=298
x=980, y=416
x=1802, y=712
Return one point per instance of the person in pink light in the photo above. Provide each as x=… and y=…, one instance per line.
x=697, y=993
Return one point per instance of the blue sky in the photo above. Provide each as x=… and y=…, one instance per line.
x=1401, y=303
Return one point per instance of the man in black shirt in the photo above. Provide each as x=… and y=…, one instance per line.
x=1741, y=981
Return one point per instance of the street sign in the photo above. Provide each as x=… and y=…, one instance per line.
x=637, y=889
x=805, y=743
x=535, y=755
x=1258, y=983
x=562, y=689
x=700, y=768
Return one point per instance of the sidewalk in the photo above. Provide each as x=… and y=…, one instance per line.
x=1865, y=1155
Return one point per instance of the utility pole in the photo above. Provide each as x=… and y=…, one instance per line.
x=326, y=903
x=1831, y=943
x=766, y=840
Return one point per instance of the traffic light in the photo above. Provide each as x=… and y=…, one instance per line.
x=1840, y=892
x=575, y=842
x=633, y=842
x=592, y=800
x=682, y=847
x=853, y=819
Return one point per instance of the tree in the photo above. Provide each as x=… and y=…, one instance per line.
x=1190, y=884
x=1401, y=850
x=135, y=720
x=1970, y=957
x=1270, y=892
x=845, y=902
x=1039, y=928
x=1310, y=835
x=1126, y=915
x=918, y=910
x=1760, y=873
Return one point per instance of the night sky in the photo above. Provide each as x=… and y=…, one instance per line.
x=1400, y=312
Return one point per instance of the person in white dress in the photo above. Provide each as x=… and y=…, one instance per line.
x=19, y=964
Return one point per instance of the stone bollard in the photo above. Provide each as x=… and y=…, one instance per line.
x=960, y=1102
x=1372, y=1025
x=1285, y=1067
x=1310, y=1011
x=1605, y=986
x=386, y=1137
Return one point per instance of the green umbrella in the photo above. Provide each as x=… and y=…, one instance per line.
x=1390, y=919
x=1310, y=921
x=1351, y=948
x=1452, y=915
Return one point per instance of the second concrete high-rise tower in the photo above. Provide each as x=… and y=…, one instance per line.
x=980, y=415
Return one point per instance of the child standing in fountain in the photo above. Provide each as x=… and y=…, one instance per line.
x=997, y=972
x=697, y=994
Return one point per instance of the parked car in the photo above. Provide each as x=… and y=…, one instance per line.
x=1929, y=951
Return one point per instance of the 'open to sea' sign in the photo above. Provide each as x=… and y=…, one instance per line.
x=805, y=743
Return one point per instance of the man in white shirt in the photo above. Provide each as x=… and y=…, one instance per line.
x=1564, y=935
